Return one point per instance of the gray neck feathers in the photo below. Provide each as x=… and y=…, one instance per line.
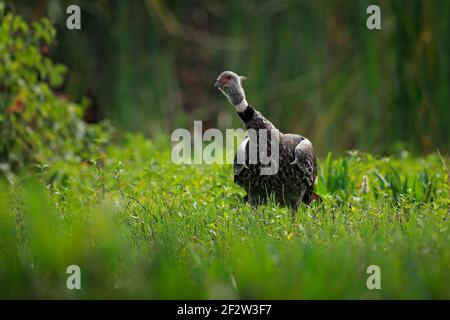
x=234, y=94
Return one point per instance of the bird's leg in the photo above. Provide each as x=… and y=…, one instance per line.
x=251, y=201
x=300, y=200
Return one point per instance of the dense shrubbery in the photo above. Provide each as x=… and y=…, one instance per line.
x=36, y=125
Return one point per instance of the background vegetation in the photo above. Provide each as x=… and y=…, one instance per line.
x=140, y=226
x=314, y=67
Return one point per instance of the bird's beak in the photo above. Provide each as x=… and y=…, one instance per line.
x=216, y=84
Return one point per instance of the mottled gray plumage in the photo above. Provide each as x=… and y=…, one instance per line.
x=294, y=181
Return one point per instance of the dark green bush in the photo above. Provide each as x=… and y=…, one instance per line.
x=36, y=125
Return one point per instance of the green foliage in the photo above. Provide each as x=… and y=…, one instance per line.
x=383, y=179
x=313, y=66
x=140, y=226
x=334, y=178
x=36, y=125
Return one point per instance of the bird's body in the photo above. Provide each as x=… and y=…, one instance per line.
x=293, y=182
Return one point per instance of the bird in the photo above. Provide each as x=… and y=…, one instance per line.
x=293, y=181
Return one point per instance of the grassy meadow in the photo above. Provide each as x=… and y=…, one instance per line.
x=78, y=188
x=140, y=226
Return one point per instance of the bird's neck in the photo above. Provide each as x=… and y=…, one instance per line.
x=246, y=113
x=252, y=119
x=241, y=106
x=236, y=96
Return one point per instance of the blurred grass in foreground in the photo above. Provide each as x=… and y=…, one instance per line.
x=141, y=227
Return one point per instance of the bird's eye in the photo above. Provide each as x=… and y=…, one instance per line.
x=228, y=78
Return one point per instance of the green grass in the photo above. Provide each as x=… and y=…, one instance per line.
x=141, y=227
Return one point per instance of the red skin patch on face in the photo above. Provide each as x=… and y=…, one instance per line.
x=225, y=79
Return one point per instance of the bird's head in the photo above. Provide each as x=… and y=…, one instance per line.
x=230, y=84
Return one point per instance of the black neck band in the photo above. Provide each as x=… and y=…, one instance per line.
x=247, y=115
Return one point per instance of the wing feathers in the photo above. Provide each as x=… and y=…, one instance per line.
x=306, y=161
